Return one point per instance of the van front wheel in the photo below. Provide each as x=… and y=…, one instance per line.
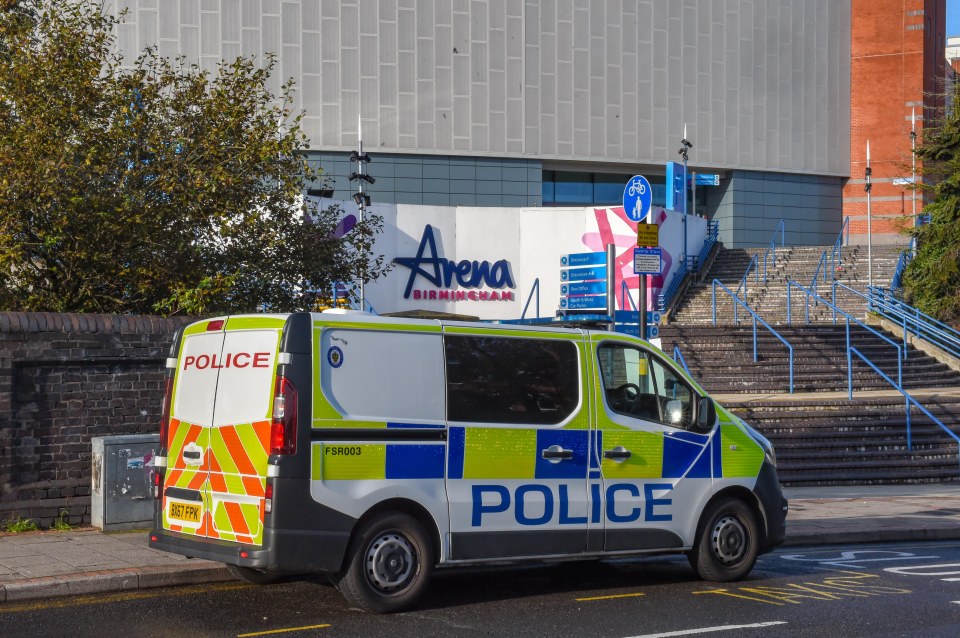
x=727, y=542
x=391, y=560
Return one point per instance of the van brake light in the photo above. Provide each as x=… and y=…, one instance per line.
x=283, y=428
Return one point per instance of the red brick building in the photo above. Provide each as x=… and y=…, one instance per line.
x=897, y=66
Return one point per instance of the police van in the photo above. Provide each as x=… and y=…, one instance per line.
x=378, y=449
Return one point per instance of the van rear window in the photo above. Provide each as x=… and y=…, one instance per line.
x=511, y=380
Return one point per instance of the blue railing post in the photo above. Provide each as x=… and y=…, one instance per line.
x=849, y=365
x=534, y=290
x=737, y=302
x=714, y=302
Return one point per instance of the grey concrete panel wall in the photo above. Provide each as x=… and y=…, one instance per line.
x=761, y=84
x=748, y=207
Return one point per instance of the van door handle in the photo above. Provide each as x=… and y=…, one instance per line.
x=191, y=454
x=555, y=454
x=618, y=454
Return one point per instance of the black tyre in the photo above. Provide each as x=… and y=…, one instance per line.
x=254, y=576
x=390, y=563
x=727, y=543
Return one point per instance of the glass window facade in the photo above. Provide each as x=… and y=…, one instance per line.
x=574, y=188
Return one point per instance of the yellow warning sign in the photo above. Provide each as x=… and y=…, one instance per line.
x=648, y=234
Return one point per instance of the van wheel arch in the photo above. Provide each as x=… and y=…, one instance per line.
x=749, y=498
x=401, y=506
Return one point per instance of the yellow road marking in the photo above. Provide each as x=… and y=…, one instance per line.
x=98, y=599
x=281, y=631
x=592, y=598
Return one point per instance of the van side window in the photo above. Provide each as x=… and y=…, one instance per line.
x=511, y=380
x=639, y=385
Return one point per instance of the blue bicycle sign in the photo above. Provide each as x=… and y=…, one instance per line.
x=636, y=198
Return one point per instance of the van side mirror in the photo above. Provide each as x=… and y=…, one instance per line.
x=706, y=414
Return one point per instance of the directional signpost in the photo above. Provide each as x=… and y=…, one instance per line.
x=583, y=277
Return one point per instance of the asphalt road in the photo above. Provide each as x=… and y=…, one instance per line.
x=904, y=590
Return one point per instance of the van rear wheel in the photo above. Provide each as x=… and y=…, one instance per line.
x=727, y=542
x=254, y=576
x=390, y=563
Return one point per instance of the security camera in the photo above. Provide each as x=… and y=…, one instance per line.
x=686, y=143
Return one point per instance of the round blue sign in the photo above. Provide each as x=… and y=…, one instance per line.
x=637, y=197
x=335, y=357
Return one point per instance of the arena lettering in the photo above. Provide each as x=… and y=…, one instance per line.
x=445, y=272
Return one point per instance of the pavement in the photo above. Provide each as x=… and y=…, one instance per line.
x=87, y=561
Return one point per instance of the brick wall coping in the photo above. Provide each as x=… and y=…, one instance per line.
x=29, y=322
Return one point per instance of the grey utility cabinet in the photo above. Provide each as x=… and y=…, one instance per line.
x=123, y=466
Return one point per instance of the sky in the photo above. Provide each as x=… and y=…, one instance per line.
x=953, y=17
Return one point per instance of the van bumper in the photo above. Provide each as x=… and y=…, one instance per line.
x=774, y=506
x=290, y=551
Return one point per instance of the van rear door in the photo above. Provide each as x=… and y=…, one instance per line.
x=219, y=440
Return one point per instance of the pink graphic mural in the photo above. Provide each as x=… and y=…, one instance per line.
x=614, y=227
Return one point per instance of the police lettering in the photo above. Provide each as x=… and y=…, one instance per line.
x=537, y=504
x=231, y=360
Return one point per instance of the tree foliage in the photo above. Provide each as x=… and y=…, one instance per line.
x=152, y=185
x=932, y=279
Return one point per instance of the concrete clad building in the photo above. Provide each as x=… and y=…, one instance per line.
x=556, y=102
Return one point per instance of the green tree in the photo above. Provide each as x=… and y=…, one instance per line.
x=153, y=186
x=932, y=279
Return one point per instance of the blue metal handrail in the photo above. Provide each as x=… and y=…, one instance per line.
x=906, y=395
x=713, y=232
x=914, y=322
x=692, y=265
x=818, y=299
x=666, y=294
x=897, y=282
x=836, y=255
x=534, y=290
x=772, y=250
x=625, y=296
x=906, y=354
x=756, y=276
x=678, y=357
x=816, y=274
x=738, y=302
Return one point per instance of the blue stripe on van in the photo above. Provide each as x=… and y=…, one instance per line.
x=456, y=440
x=678, y=456
x=414, y=462
x=717, y=455
x=576, y=467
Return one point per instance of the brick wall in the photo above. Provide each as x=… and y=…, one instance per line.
x=897, y=68
x=63, y=380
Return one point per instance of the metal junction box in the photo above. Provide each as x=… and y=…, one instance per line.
x=122, y=476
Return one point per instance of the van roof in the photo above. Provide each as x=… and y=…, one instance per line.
x=338, y=315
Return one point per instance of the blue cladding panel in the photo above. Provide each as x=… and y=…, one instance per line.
x=414, y=462
x=575, y=440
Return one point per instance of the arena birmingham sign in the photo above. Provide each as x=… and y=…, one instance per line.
x=442, y=273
